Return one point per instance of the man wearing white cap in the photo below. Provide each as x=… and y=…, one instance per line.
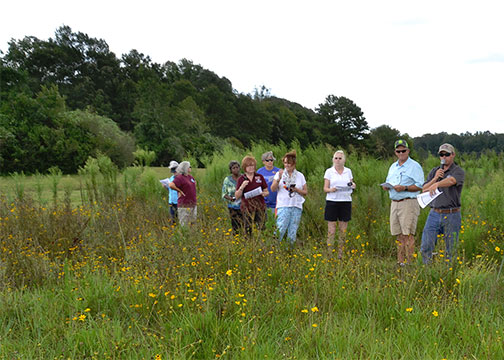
x=444, y=217
x=172, y=194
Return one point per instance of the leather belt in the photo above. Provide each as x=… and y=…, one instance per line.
x=446, y=211
x=403, y=199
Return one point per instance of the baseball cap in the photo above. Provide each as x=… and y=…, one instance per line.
x=446, y=147
x=401, y=142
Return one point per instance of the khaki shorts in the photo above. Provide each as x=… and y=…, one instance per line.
x=404, y=217
x=187, y=215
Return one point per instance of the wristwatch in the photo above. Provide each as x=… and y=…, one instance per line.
x=406, y=188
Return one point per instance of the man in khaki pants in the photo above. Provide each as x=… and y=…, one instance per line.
x=404, y=182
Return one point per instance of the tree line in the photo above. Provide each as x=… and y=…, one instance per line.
x=69, y=97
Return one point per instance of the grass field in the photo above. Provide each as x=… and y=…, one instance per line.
x=106, y=276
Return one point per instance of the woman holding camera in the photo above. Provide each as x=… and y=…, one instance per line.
x=338, y=185
x=291, y=187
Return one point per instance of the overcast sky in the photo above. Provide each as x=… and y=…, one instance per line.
x=417, y=66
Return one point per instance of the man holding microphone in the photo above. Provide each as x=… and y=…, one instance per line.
x=404, y=180
x=444, y=217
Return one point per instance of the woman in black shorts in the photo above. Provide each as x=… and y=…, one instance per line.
x=338, y=185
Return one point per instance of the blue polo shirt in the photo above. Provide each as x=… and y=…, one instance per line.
x=268, y=176
x=407, y=174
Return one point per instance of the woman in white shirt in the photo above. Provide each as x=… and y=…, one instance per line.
x=338, y=185
x=291, y=187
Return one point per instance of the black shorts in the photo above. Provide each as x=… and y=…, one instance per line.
x=338, y=211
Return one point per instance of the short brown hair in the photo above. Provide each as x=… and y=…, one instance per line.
x=290, y=157
x=248, y=160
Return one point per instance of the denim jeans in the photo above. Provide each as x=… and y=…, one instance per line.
x=447, y=225
x=288, y=219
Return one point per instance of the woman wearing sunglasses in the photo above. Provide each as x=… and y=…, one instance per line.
x=291, y=187
x=338, y=185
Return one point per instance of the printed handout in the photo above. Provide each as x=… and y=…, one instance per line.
x=253, y=193
x=426, y=198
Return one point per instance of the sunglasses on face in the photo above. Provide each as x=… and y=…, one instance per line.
x=268, y=160
x=444, y=154
x=338, y=158
x=401, y=151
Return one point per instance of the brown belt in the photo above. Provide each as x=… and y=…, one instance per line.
x=446, y=211
x=403, y=199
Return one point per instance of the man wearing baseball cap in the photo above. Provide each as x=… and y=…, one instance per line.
x=444, y=217
x=404, y=182
x=172, y=194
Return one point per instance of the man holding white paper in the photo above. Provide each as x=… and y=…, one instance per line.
x=404, y=182
x=444, y=218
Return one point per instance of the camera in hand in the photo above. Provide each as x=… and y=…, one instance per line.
x=291, y=189
x=349, y=184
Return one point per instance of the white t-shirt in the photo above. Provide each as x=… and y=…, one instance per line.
x=284, y=199
x=340, y=182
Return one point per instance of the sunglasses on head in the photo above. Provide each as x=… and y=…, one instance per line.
x=268, y=160
x=444, y=154
x=401, y=151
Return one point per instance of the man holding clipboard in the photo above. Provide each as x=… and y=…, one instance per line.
x=404, y=181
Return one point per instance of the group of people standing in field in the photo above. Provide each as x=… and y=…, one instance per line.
x=268, y=191
x=253, y=195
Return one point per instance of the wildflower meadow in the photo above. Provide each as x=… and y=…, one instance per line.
x=92, y=268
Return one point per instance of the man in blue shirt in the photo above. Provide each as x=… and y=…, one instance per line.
x=268, y=171
x=172, y=194
x=404, y=181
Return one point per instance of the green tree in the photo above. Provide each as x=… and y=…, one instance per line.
x=220, y=111
x=343, y=122
x=284, y=124
x=381, y=141
x=252, y=120
x=106, y=137
x=83, y=68
x=37, y=135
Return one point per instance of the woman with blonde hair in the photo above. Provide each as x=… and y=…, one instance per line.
x=291, y=186
x=338, y=185
x=252, y=188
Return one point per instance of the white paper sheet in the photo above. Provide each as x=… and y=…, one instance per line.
x=426, y=198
